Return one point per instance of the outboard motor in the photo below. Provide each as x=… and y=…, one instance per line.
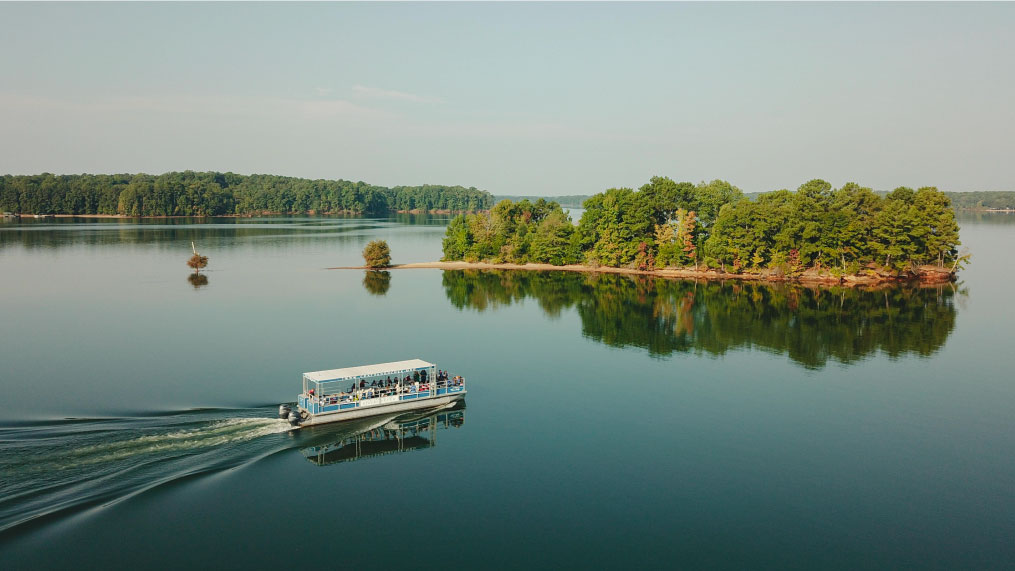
x=294, y=419
x=284, y=410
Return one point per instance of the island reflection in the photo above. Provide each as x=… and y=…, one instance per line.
x=380, y=435
x=809, y=325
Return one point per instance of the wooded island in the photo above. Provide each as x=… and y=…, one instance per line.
x=191, y=193
x=816, y=232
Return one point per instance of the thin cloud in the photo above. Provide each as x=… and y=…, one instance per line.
x=379, y=93
x=263, y=107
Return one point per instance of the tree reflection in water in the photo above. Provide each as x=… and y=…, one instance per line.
x=811, y=325
x=197, y=280
x=377, y=282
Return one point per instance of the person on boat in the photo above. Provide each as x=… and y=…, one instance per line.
x=362, y=383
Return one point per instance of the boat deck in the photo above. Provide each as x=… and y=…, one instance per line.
x=398, y=386
x=335, y=403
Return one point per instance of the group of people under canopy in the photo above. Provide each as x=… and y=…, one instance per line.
x=416, y=382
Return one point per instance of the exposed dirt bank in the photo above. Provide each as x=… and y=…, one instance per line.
x=926, y=274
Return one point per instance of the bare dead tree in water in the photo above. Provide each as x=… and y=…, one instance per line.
x=197, y=261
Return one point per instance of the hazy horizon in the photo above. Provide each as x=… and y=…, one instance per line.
x=530, y=99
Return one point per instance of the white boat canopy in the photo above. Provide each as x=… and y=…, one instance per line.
x=395, y=368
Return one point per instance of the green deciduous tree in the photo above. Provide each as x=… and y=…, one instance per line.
x=377, y=254
x=514, y=232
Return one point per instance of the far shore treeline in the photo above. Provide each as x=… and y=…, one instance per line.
x=983, y=200
x=191, y=193
x=711, y=225
x=566, y=201
x=975, y=200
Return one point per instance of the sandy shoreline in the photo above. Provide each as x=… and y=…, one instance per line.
x=930, y=277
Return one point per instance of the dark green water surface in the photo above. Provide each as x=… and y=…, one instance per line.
x=611, y=422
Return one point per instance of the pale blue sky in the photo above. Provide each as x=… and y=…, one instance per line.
x=516, y=98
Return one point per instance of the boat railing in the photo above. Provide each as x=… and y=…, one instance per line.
x=405, y=392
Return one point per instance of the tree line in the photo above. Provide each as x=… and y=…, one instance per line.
x=191, y=193
x=711, y=225
x=566, y=201
x=978, y=200
x=983, y=200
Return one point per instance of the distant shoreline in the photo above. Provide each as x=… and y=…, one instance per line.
x=339, y=213
x=928, y=274
x=244, y=215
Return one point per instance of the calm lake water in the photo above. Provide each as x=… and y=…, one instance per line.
x=610, y=421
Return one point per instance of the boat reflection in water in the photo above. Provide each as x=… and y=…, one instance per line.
x=380, y=435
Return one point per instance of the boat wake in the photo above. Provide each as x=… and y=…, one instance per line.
x=215, y=434
x=55, y=468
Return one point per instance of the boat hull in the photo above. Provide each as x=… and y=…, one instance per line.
x=366, y=410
